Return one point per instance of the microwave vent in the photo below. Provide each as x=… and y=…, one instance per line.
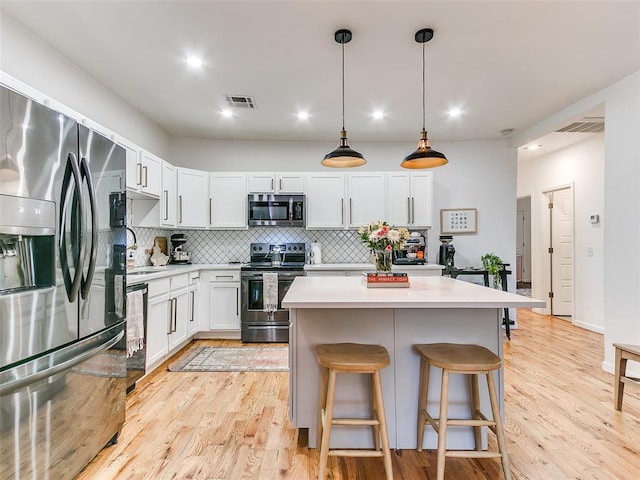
x=241, y=101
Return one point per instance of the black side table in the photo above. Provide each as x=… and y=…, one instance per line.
x=455, y=272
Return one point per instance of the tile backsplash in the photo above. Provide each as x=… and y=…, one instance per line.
x=223, y=246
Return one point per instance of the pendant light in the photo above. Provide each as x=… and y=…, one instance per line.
x=343, y=156
x=424, y=156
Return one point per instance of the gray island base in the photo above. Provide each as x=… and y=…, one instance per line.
x=433, y=309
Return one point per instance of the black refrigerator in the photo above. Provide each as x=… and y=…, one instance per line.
x=62, y=292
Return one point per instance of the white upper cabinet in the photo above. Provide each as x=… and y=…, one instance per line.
x=134, y=167
x=410, y=199
x=276, y=183
x=168, y=211
x=367, y=199
x=326, y=200
x=227, y=200
x=150, y=174
x=193, y=198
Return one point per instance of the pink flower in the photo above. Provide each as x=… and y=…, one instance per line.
x=383, y=231
x=388, y=248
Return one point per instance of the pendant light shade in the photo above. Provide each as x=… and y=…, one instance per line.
x=343, y=156
x=424, y=156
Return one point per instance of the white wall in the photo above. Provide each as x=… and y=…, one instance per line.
x=24, y=56
x=580, y=165
x=622, y=216
x=479, y=175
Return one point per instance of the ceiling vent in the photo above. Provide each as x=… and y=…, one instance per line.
x=241, y=101
x=586, y=125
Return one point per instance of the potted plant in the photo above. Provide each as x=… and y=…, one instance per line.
x=492, y=264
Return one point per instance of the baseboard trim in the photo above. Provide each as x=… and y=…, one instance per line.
x=218, y=334
x=588, y=326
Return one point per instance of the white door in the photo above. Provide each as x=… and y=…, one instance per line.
x=367, y=198
x=325, y=200
x=169, y=195
x=399, y=203
x=422, y=199
x=193, y=198
x=561, y=252
x=228, y=200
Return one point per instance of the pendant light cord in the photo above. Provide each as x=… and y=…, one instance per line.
x=424, y=114
x=343, y=86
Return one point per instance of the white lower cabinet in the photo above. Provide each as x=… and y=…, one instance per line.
x=194, y=303
x=224, y=301
x=168, y=316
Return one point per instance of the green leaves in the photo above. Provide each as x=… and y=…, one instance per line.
x=492, y=264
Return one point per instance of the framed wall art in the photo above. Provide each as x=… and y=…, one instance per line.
x=458, y=220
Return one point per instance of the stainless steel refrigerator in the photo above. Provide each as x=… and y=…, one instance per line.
x=62, y=284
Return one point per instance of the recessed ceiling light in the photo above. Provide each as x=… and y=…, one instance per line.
x=194, y=62
x=532, y=147
x=226, y=113
x=378, y=114
x=455, y=112
x=303, y=115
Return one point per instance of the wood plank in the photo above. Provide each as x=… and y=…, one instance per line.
x=560, y=422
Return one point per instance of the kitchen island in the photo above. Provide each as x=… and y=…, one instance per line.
x=432, y=309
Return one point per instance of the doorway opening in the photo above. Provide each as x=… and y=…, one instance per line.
x=523, y=246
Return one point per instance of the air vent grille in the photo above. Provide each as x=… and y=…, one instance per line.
x=583, y=127
x=241, y=101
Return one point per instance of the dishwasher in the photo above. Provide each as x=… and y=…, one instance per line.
x=137, y=363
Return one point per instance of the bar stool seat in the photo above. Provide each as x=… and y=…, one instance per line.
x=464, y=359
x=624, y=353
x=352, y=358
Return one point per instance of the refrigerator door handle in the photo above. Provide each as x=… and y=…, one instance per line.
x=10, y=387
x=85, y=174
x=71, y=286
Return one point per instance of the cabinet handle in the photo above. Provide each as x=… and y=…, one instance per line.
x=175, y=316
x=272, y=184
x=210, y=209
x=139, y=174
x=413, y=210
x=170, y=315
x=146, y=176
x=408, y=210
x=180, y=200
x=224, y=277
x=342, y=211
x=193, y=297
x=120, y=183
x=350, y=211
x=237, y=306
x=280, y=183
x=166, y=204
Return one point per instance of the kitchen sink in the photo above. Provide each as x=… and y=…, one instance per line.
x=146, y=270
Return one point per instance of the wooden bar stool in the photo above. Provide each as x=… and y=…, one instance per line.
x=352, y=358
x=624, y=353
x=468, y=360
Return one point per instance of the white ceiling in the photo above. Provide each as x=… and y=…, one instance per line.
x=507, y=64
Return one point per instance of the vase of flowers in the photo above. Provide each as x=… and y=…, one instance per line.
x=382, y=239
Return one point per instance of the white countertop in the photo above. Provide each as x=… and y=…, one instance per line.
x=424, y=292
x=144, y=274
x=370, y=267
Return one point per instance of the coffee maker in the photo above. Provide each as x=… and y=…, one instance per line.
x=447, y=251
x=178, y=253
x=413, y=252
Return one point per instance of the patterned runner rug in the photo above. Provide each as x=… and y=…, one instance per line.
x=233, y=359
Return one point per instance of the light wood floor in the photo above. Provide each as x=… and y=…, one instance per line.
x=560, y=422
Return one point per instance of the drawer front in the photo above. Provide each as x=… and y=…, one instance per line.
x=159, y=287
x=225, y=276
x=179, y=281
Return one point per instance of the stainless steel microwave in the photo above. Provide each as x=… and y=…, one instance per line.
x=268, y=210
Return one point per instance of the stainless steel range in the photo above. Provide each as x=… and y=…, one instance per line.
x=285, y=259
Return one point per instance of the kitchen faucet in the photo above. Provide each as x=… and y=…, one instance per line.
x=135, y=240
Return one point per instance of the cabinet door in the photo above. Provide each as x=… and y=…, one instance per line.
x=325, y=200
x=290, y=183
x=169, y=190
x=262, y=183
x=193, y=188
x=422, y=199
x=134, y=167
x=399, y=195
x=158, y=316
x=151, y=174
x=367, y=198
x=192, y=321
x=180, y=320
x=228, y=200
x=224, y=306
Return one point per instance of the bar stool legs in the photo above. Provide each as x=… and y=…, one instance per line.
x=352, y=358
x=471, y=360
